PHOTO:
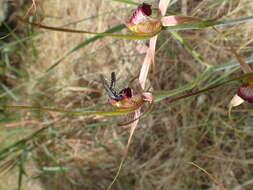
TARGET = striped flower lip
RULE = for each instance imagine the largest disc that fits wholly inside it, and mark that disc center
(141, 13)
(245, 91)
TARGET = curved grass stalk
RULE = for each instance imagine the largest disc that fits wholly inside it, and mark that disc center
(214, 179)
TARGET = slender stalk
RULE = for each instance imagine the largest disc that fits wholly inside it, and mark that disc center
(109, 113)
(165, 94)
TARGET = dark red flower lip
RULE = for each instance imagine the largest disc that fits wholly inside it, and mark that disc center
(245, 91)
(126, 93)
(112, 93)
(144, 10)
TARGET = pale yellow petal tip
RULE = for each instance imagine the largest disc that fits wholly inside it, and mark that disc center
(236, 101)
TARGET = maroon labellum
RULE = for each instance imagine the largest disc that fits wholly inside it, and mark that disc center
(141, 13)
(245, 91)
(126, 93)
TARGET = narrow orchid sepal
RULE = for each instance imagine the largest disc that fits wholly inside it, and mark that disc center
(236, 101)
(177, 20)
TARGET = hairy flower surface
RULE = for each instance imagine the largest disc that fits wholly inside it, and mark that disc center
(141, 13)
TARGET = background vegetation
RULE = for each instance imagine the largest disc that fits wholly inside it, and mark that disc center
(47, 150)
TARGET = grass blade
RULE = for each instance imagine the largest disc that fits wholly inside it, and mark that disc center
(127, 2)
(166, 94)
(9, 91)
(108, 113)
(21, 172)
(210, 87)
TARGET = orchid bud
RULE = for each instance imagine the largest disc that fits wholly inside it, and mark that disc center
(141, 21)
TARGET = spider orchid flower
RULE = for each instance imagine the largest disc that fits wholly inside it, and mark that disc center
(129, 100)
(143, 22)
(125, 99)
(245, 91)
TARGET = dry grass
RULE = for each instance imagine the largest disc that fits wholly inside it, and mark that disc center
(192, 130)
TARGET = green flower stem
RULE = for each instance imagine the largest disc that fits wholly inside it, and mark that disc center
(235, 21)
(135, 36)
(247, 75)
(109, 113)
